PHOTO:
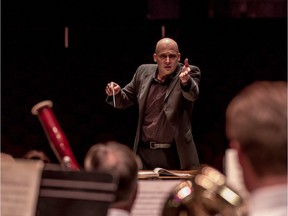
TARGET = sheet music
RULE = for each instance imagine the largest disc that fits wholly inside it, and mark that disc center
(151, 196)
(233, 171)
(20, 182)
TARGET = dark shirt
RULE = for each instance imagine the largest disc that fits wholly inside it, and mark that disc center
(155, 125)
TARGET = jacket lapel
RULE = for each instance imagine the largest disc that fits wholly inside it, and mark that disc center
(144, 91)
(171, 85)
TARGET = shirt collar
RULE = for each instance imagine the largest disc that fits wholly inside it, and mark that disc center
(169, 78)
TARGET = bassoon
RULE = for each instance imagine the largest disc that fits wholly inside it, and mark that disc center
(56, 137)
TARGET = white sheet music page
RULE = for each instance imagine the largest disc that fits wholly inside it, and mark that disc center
(152, 195)
(233, 171)
(20, 183)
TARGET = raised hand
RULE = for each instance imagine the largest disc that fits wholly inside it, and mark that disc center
(184, 76)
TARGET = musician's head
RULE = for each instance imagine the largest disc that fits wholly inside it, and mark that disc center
(36, 155)
(117, 159)
(256, 126)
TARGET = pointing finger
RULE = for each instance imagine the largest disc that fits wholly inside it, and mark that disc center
(186, 63)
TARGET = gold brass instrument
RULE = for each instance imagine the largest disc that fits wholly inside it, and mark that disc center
(55, 135)
(206, 194)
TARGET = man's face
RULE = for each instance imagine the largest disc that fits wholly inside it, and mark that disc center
(167, 58)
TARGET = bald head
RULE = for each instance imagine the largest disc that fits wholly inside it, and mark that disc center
(165, 43)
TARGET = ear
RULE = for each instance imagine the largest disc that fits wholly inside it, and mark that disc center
(179, 57)
(235, 144)
(154, 57)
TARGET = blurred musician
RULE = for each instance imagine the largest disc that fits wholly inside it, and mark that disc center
(117, 159)
(256, 126)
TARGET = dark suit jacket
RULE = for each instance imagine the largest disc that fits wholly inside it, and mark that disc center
(178, 106)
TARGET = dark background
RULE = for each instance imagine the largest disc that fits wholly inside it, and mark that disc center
(233, 43)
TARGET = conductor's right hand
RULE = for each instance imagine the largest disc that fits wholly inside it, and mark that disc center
(111, 88)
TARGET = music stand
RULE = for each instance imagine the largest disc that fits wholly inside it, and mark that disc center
(74, 193)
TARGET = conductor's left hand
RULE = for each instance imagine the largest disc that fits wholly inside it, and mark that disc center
(185, 73)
